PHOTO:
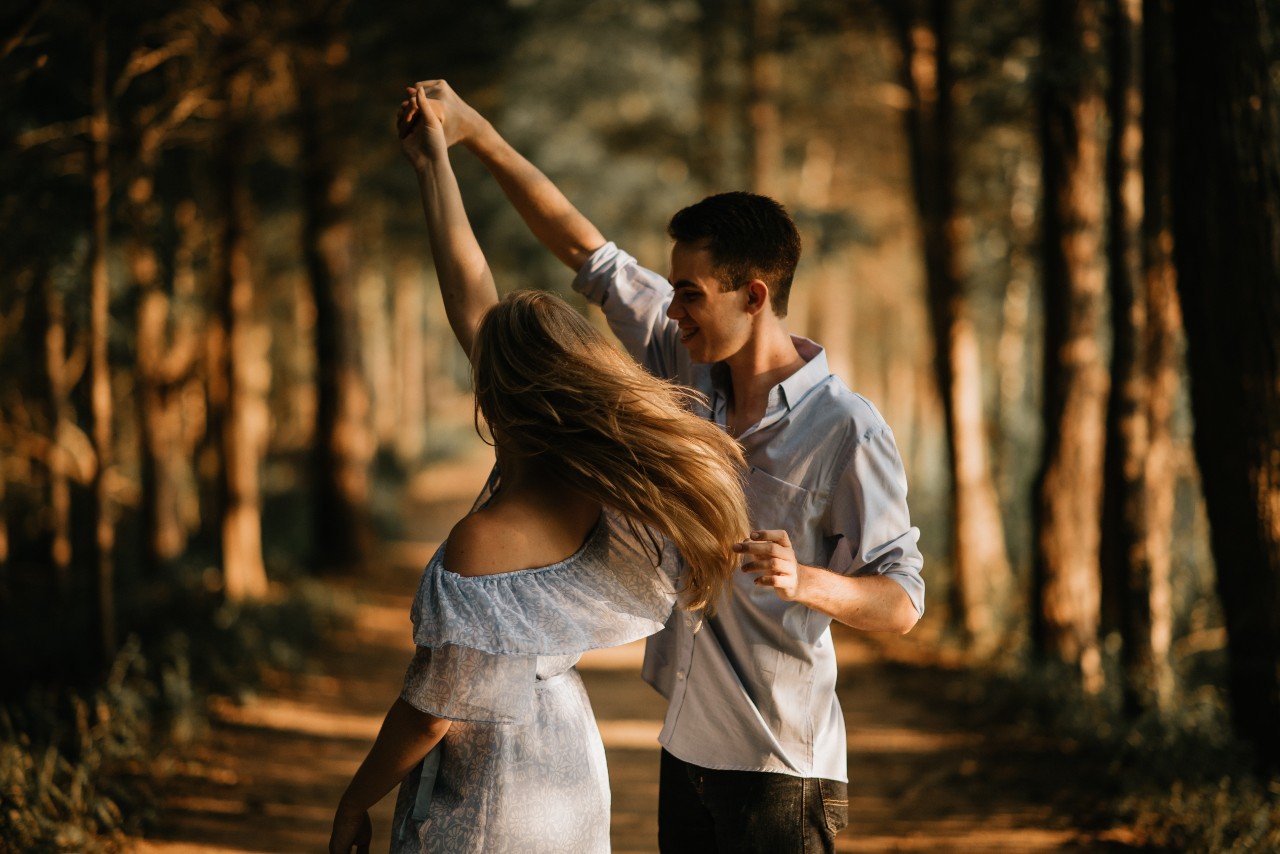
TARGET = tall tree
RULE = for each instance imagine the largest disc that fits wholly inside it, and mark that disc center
(982, 576)
(1226, 194)
(720, 159)
(57, 386)
(1069, 485)
(100, 369)
(1163, 364)
(162, 365)
(343, 438)
(763, 22)
(235, 428)
(1139, 592)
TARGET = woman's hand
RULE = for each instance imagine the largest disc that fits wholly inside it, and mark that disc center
(351, 829)
(420, 125)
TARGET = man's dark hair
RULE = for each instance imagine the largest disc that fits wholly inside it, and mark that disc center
(748, 236)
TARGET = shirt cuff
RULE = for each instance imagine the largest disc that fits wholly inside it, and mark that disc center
(595, 274)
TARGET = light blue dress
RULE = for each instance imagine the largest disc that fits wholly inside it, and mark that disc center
(522, 767)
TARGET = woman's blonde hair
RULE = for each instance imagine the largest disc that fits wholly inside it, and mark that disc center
(551, 388)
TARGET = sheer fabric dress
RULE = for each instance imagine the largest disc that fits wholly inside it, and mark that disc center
(522, 767)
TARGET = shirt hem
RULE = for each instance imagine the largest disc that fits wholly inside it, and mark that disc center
(719, 766)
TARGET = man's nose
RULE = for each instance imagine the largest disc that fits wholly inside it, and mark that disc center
(673, 311)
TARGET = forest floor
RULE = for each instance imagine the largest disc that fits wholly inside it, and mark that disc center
(921, 778)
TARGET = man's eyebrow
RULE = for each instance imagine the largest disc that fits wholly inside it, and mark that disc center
(685, 283)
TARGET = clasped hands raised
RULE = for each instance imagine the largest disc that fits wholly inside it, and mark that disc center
(431, 119)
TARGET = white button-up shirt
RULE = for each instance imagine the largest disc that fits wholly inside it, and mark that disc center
(753, 687)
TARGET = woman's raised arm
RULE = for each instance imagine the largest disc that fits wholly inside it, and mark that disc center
(466, 283)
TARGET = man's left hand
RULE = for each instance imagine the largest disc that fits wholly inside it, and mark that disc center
(773, 560)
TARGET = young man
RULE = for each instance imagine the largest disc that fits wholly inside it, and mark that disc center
(754, 742)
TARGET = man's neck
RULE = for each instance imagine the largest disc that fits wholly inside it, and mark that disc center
(768, 358)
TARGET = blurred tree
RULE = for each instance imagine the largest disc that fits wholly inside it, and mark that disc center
(1226, 195)
(1136, 586)
(719, 157)
(762, 20)
(1162, 359)
(100, 370)
(171, 66)
(982, 579)
(58, 381)
(343, 443)
(1069, 486)
(232, 411)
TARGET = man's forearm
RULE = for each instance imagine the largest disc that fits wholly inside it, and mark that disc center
(871, 603)
(560, 227)
(406, 736)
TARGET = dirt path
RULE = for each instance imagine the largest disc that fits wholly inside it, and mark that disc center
(268, 778)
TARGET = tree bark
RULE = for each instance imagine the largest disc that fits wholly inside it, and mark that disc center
(764, 69)
(721, 160)
(1134, 594)
(244, 575)
(56, 387)
(1069, 485)
(100, 370)
(344, 442)
(1161, 348)
(160, 369)
(1226, 195)
(982, 576)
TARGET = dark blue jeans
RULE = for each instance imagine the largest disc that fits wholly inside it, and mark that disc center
(706, 810)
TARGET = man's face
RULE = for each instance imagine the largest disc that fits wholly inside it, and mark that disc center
(714, 323)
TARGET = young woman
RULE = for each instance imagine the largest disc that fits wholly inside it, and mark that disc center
(492, 738)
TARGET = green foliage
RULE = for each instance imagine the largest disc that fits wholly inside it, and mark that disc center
(76, 766)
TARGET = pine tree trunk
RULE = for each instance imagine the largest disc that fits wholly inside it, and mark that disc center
(244, 575)
(1163, 341)
(764, 67)
(1069, 485)
(55, 369)
(343, 439)
(982, 576)
(100, 370)
(162, 537)
(1226, 202)
(1129, 582)
(721, 161)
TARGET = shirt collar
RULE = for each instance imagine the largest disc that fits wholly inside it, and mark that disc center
(786, 394)
(814, 371)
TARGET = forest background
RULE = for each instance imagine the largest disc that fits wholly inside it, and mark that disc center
(1042, 237)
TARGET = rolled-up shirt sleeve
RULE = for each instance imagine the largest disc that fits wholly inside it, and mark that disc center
(868, 512)
(634, 300)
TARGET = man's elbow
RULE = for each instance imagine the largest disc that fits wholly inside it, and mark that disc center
(907, 616)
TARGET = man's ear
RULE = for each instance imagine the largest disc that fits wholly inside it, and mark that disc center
(757, 296)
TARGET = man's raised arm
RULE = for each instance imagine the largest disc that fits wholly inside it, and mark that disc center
(466, 283)
(550, 216)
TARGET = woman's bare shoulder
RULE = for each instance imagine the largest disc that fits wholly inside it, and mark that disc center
(481, 544)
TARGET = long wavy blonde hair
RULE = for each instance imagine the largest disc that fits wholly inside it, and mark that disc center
(551, 388)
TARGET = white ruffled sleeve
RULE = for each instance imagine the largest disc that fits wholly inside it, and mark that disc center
(479, 637)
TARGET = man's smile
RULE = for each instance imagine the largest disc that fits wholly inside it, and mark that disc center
(687, 332)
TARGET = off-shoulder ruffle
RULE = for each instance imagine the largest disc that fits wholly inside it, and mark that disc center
(606, 594)
(479, 638)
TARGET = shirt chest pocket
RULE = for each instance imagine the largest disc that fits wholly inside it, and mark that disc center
(776, 504)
